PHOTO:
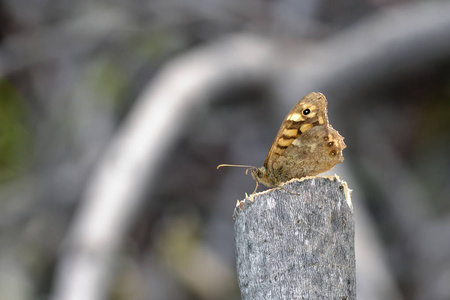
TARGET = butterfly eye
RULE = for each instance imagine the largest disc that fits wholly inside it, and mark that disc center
(306, 111)
(257, 173)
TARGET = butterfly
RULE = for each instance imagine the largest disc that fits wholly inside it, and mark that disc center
(306, 145)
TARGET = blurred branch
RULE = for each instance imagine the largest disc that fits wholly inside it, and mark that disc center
(131, 162)
(74, 37)
(385, 47)
(373, 271)
(405, 200)
(193, 262)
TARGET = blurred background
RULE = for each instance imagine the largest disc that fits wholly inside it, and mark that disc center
(115, 114)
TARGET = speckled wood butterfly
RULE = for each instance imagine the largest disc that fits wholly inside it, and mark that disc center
(305, 145)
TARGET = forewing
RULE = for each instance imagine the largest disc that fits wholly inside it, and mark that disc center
(297, 122)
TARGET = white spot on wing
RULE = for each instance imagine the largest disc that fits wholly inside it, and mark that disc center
(295, 117)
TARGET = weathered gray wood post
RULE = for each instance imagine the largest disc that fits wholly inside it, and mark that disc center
(297, 242)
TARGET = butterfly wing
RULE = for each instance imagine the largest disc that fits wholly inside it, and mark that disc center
(315, 151)
(310, 111)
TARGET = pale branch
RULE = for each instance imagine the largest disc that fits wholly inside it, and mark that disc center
(130, 163)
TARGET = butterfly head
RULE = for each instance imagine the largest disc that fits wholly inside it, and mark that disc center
(258, 173)
(261, 175)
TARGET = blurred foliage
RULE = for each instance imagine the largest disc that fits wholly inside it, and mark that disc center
(15, 135)
(67, 67)
(109, 80)
(431, 156)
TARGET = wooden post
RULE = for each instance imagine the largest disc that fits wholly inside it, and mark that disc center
(297, 242)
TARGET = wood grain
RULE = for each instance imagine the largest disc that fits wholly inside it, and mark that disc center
(297, 242)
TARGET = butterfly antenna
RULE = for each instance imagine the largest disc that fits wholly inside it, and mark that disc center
(236, 166)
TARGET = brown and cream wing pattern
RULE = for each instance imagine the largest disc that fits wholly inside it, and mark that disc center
(310, 111)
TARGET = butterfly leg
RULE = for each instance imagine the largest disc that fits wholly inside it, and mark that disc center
(287, 191)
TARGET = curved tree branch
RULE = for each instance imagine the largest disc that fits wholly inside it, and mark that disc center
(131, 162)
